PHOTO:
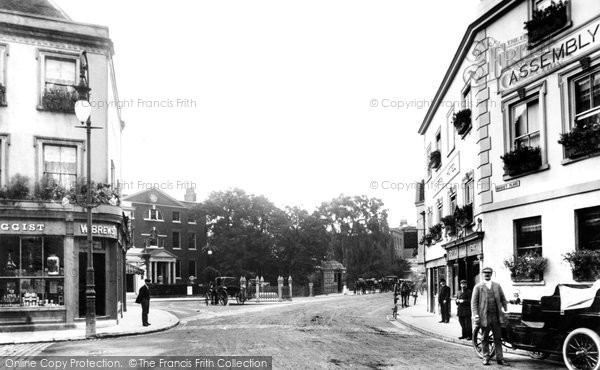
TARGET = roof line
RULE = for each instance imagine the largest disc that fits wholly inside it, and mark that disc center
(160, 191)
(467, 39)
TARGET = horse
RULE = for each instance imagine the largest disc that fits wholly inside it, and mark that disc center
(405, 293)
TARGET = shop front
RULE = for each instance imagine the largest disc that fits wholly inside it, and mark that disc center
(464, 257)
(43, 255)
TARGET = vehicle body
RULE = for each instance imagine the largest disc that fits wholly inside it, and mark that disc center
(567, 327)
(225, 288)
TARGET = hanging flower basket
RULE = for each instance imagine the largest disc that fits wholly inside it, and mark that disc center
(449, 223)
(435, 159)
(436, 231)
(583, 139)
(521, 160)
(546, 21)
(462, 121)
(464, 215)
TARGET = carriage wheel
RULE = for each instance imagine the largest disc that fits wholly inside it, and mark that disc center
(223, 298)
(580, 349)
(478, 345)
(537, 355)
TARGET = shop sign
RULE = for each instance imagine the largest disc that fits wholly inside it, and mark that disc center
(474, 248)
(508, 185)
(453, 254)
(569, 48)
(12, 227)
(99, 230)
(446, 175)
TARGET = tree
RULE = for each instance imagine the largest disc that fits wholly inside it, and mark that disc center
(360, 235)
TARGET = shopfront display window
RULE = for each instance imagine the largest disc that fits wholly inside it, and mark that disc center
(31, 271)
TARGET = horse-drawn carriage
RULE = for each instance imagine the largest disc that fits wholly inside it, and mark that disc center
(224, 288)
(566, 323)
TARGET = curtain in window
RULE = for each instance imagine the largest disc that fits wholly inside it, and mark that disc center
(60, 164)
(60, 72)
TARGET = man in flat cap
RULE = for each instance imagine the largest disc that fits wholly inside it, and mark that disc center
(463, 311)
(488, 305)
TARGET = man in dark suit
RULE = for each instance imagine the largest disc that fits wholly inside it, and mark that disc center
(444, 301)
(463, 310)
(144, 299)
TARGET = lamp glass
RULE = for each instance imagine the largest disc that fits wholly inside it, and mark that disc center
(209, 252)
(83, 109)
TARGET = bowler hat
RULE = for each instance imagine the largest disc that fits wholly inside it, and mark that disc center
(487, 269)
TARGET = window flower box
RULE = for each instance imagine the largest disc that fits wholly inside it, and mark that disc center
(426, 240)
(521, 160)
(585, 264)
(435, 159)
(528, 267)
(545, 21)
(59, 100)
(583, 139)
(462, 121)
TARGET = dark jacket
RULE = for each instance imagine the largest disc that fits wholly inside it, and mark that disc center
(444, 294)
(464, 308)
(143, 294)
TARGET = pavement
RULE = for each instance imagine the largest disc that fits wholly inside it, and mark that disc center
(417, 318)
(129, 324)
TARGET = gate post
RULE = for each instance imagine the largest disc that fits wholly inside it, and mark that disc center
(280, 287)
(310, 289)
(258, 289)
(290, 284)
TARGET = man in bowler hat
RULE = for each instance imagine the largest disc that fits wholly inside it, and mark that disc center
(444, 301)
(144, 299)
(463, 311)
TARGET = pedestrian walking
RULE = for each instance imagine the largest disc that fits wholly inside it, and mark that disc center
(415, 294)
(143, 298)
(444, 301)
(463, 311)
(488, 305)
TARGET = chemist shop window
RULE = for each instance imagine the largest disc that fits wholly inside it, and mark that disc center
(31, 271)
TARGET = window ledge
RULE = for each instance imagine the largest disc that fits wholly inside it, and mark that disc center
(462, 136)
(543, 167)
(530, 283)
(176, 222)
(568, 161)
(149, 219)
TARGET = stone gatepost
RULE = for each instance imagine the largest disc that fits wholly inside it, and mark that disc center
(310, 289)
(290, 284)
(258, 289)
(280, 288)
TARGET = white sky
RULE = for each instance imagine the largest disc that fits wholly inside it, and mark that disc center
(282, 90)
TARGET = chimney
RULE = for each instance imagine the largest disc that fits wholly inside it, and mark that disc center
(190, 194)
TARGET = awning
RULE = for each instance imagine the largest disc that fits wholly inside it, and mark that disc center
(132, 269)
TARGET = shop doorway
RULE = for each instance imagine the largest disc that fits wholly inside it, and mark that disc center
(99, 281)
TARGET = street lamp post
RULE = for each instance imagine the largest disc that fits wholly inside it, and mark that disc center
(83, 111)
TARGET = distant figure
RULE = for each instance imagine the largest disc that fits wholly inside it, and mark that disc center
(463, 310)
(444, 301)
(405, 293)
(415, 294)
(488, 305)
(143, 298)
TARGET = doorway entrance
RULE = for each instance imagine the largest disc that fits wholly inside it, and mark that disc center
(99, 281)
